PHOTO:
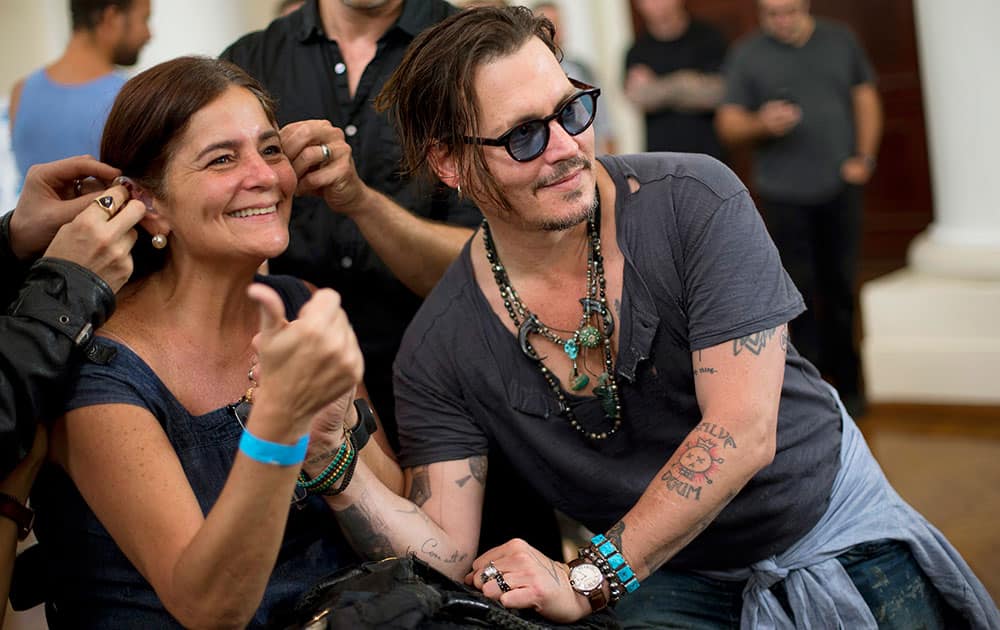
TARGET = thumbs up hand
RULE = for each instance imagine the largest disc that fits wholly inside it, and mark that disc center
(303, 365)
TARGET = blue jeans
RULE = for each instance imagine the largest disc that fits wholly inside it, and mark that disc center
(884, 571)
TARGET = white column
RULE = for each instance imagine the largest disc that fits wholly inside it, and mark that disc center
(958, 53)
(930, 332)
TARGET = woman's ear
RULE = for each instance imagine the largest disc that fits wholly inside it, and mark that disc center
(154, 223)
(443, 164)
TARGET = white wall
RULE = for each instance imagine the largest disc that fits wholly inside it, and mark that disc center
(34, 32)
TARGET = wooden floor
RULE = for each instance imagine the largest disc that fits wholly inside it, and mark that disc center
(945, 461)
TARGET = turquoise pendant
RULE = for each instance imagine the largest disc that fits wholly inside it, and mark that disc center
(571, 349)
(589, 336)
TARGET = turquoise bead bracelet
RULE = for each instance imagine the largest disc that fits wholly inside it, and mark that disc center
(617, 561)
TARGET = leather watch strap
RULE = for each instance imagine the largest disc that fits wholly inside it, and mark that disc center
(18, 512)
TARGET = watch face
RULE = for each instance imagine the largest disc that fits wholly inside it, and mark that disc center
(585, 577)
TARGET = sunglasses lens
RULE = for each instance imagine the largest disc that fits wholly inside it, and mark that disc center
(577, 114)
(528, 141)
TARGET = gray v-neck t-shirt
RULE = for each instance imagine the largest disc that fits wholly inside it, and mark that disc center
(700, 270)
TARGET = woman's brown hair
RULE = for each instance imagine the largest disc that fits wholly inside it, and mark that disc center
(149, 117)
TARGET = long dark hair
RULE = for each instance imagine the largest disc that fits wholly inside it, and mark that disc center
(431, 98)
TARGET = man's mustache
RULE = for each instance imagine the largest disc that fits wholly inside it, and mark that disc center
(563, 169)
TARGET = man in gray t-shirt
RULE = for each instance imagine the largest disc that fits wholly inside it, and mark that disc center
(616, 328)
(802, 92)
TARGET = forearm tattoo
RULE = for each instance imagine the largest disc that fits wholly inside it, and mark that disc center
(364, 528)
(698, 461)
(430, 549)
(756, 342)
(420, 487)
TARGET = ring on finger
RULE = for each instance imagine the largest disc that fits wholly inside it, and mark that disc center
(502, 583)
(326, 153)
(107, 203)
(490, 572)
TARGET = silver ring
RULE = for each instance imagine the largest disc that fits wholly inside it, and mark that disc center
(326, 153)
(502, 583)
(490, 572)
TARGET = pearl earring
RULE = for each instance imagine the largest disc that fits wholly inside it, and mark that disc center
(159, 241)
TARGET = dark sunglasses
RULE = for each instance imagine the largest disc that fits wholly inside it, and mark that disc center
(528, 140)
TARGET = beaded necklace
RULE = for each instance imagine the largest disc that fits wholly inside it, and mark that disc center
(587, 335)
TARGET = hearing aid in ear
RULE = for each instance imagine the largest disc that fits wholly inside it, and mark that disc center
(136, 191)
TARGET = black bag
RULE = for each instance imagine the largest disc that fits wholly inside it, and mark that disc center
(407, 594)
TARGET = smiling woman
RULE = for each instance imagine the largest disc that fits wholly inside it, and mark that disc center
(192, 458)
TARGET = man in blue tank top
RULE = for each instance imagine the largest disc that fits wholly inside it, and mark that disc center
(58, 111)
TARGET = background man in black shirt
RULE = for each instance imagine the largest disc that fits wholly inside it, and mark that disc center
(673, 77)
(385, 243)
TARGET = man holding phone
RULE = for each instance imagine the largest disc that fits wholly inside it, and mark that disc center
(802, 92)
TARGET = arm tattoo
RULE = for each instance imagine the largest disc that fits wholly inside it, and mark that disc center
(328, 455)
(755, 342)
(478, 466)
(420, 488)
(784, 337)
(429, 548)
(702, 369)
(698, 461)
(363, 529)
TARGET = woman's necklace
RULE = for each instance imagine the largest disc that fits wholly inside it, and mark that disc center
(586, 336)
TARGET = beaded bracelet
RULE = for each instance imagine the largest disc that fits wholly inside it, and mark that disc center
(337, 474)
(308, 483)
(342, 461)
(617, 561)
(615, 589)
(347, 475)
(273, 453)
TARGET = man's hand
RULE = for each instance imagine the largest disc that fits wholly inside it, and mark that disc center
(779, 117)
(329, 173)
(50, 199)
(100, 239)
(534, 581)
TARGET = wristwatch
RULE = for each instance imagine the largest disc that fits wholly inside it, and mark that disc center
(18, 512)
(586, 579)
(366, 423)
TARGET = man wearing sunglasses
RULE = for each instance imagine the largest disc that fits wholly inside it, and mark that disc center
(618, 329)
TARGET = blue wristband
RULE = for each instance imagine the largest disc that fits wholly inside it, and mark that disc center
(272, 452)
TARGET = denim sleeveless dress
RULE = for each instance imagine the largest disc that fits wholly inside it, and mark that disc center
(90, 582)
